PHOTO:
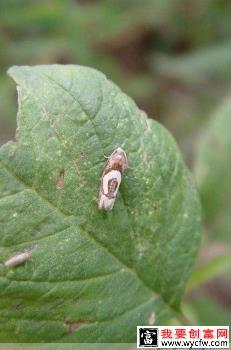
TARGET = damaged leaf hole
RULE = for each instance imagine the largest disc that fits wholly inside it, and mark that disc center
(60, 180)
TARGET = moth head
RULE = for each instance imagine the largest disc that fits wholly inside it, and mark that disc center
(120, 156)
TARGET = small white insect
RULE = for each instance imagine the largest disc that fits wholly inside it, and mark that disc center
(110, 181)
(18, 259)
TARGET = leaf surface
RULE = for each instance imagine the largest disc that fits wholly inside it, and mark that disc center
(93, 276)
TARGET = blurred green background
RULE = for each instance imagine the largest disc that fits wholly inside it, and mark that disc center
(173, 57)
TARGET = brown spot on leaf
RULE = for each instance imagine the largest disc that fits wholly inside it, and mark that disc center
(73, 326)
(60, 180)
(17, 307)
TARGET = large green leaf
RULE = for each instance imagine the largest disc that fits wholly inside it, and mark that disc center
(93, 276)
(212, 169)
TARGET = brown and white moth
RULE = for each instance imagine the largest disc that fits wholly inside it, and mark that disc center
(110, 181)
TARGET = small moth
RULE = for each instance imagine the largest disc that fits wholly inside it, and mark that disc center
(18, 259)
(110, 181)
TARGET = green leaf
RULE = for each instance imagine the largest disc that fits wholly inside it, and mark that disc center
(219, 265)
(212, 170)
(93, 276)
